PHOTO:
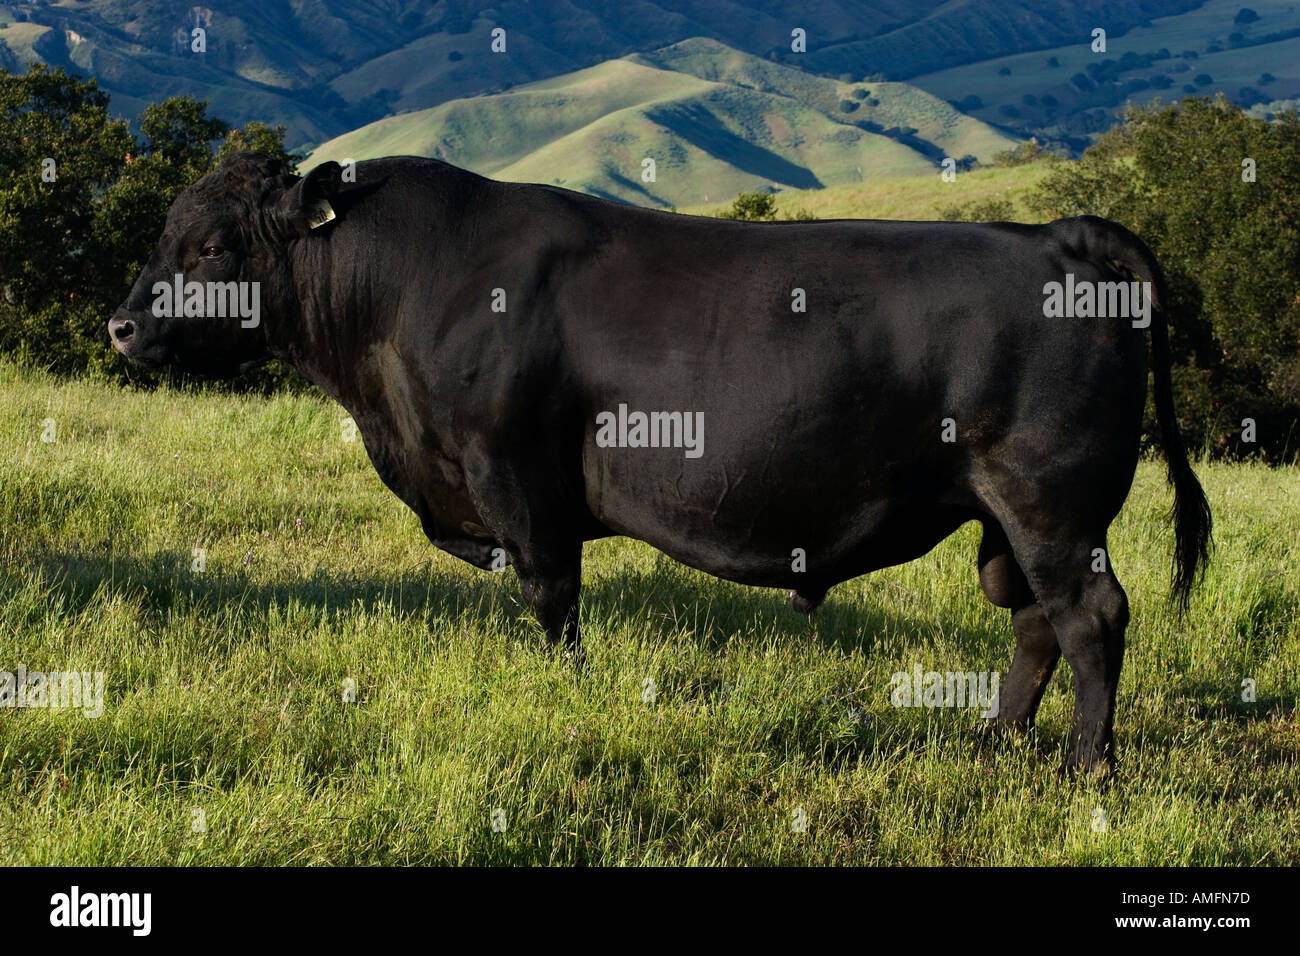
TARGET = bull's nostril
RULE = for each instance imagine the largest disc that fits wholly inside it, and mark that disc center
(123, 330)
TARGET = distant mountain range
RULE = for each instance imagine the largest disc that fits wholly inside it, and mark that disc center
(632, 78)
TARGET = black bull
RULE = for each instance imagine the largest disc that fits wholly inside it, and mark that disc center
(856, 390)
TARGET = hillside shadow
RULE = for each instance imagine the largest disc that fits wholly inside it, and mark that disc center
(631, 186)
(703, 130)
(923, 146)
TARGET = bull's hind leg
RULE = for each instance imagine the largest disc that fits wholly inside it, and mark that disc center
(1037, 650)
(1087, 608)
(1090, 617)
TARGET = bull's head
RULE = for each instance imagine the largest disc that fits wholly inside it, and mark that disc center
(219, 278)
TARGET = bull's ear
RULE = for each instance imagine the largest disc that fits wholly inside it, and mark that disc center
(310, 204)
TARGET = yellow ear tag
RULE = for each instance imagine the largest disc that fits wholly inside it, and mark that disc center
(321, 213)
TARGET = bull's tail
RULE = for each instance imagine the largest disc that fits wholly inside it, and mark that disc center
(1191, 511)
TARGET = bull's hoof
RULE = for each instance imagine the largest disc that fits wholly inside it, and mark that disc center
(1093, 771)
(995, 733)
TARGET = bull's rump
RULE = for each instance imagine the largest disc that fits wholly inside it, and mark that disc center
(824, 429)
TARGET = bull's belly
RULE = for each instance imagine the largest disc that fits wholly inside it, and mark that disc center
(770, 539)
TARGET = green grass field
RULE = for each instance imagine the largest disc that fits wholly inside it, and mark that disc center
(224, 690)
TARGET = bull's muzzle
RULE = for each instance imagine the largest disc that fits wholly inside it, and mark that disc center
(121, 330)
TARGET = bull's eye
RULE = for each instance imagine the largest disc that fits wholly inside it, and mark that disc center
(212, 252)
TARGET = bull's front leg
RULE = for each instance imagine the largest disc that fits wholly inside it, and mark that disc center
(535, 523)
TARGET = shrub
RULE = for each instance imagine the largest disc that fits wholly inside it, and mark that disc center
(989, 210)
(752, 207)
(1027, 152)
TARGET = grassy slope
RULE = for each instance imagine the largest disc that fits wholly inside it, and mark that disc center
(911, 197)
(20, 37)
(423, 71)
(490, 132)
(887, 105)
(224, 688)
(717, 122)
(740, 154)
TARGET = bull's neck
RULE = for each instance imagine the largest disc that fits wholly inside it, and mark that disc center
(347, 287)
(332, 317)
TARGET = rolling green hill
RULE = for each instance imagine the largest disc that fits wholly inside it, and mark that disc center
(322, 67)
(940, 130)
(715, 120)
